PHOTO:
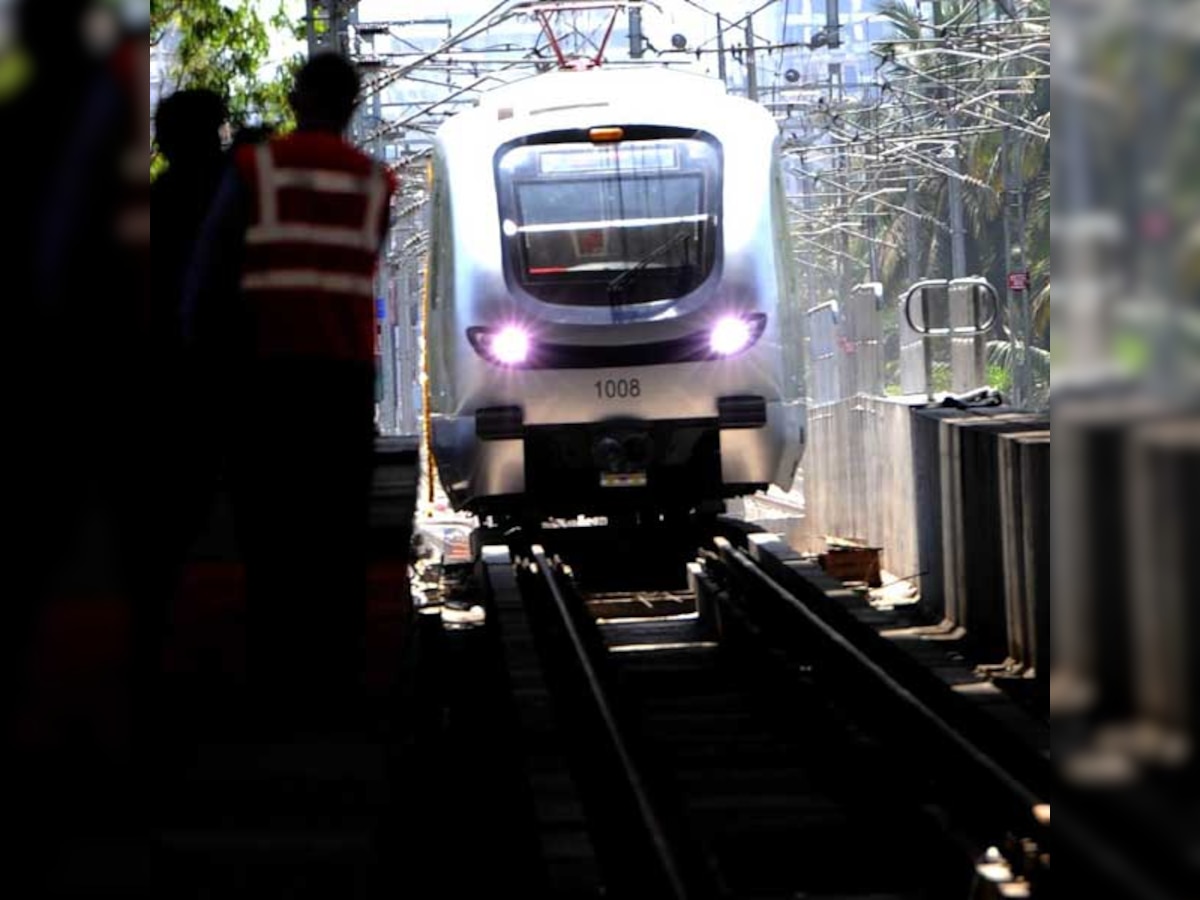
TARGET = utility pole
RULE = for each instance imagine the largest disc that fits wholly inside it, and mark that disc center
(810, 208)
(914, 371)
(721, 49)
(845, 277)
(958, 234)
(873, 150)
(390, 399)
(958, 231)
(913, 232)
(837, 96)
(833, 24)
(1018, 286)
(637, 40)
(914, 350)
(751, 62)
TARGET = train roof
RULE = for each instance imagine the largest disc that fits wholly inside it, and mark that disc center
(553, 89)
(575, 98)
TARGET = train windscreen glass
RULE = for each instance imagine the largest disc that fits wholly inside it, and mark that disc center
(624, 223)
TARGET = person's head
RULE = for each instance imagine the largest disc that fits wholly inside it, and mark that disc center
(325, 94)
(188, 124)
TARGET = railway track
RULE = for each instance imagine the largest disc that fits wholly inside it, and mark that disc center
(691, 716)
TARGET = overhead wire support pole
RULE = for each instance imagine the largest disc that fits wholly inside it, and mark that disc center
(751, 62)
(721, 67)
(1018, 294)
(637, 40)
(958, 246)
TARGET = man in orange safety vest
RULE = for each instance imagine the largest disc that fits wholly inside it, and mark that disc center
(281, 305)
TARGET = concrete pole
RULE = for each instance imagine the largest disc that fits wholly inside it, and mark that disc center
(958, 232)
(388, 401)
(912, 231)
(1018, 301)
(751, 62)
(388, 276)
(637, 42)
(721, 49)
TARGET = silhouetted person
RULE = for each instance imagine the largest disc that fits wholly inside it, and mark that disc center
(188, 130)
(188, 442)
(283, 296)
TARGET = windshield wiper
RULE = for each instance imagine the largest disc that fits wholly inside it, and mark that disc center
(630, 275)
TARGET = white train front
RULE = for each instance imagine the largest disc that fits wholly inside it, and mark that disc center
(612, 319)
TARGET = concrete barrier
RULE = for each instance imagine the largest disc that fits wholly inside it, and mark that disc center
(859, 481)
(1024, 530)
(972, 551)
(957, 499)
(1099, 484)
(1163, 469)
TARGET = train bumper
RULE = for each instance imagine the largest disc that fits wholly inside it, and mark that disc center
(494, 461)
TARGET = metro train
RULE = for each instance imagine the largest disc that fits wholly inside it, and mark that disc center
(612, 319)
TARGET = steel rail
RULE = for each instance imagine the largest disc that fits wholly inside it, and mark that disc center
(663, 852)
(1022, 793)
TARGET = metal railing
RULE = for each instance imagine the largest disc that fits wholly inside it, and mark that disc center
(966, 328)
(946, 319)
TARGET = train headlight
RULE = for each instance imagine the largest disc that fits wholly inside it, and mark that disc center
(731, 334)
(509, 345)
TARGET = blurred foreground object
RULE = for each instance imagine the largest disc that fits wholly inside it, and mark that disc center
(1126, 223)
(1125, 686)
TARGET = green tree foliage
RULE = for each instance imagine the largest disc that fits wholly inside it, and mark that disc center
(983, 181)
(224, 48)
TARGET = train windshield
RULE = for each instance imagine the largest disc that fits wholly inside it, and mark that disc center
(595, 224)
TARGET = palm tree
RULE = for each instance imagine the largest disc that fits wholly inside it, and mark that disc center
(982, 151)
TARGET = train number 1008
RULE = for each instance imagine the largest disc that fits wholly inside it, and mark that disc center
(618, 388)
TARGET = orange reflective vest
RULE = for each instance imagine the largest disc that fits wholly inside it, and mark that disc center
(319, 216)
